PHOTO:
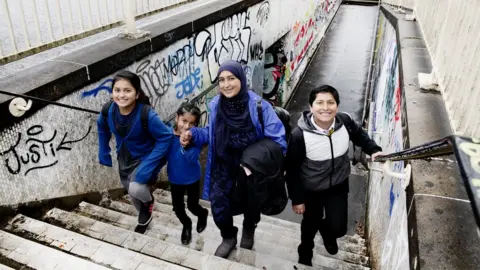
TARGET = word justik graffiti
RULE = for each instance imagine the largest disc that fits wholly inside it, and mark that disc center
(33, 153)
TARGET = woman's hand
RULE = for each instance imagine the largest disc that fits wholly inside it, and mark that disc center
(299, 209)
(377, 154)
(185, 138)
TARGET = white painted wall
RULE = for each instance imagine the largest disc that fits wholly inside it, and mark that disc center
(450, 29)
(36, 165)
(387, 214)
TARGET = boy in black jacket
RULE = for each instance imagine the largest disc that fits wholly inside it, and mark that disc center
(318, 167)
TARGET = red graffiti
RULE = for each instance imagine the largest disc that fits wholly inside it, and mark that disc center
(327, 5)
(302, 53)
(303, 31)
(301, 35)
(398, 101)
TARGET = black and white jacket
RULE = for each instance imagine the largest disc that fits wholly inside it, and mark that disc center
(317, 161)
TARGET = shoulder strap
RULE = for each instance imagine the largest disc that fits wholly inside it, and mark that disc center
(105, 109)
(347, 121)
(260, 114)
(144, 116)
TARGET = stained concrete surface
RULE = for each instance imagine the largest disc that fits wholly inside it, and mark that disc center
(342, 60)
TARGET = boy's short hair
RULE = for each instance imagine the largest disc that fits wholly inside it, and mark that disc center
(323, 89)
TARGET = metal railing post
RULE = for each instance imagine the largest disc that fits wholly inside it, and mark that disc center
(131, 31)
(130, 10)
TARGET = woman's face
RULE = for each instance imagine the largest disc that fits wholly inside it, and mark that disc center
(229, 84)
(124, 94)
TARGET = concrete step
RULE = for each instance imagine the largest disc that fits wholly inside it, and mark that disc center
(4, 267)
(164, 228)
(357, 243)
(96, 251)
(266, 240)
(140, 243)
(269, 234)
(22, 253)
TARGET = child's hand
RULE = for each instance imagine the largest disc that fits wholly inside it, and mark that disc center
(376, 155)
(185, 138)
(299, 209)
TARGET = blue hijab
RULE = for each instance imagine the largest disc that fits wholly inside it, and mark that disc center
(233, 113)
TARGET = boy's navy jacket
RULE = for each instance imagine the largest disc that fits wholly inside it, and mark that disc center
(149, 147)
(273, 129)
(183, 166)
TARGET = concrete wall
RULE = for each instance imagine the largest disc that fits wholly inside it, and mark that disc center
(442, 230)
(386, 211)
(403, 3)
(450, 29)
(53, 153)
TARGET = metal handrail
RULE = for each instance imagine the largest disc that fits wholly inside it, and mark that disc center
(467, 153)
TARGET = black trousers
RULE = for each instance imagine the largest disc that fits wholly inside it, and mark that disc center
(242, 200)
(334, 203)
(193, 197)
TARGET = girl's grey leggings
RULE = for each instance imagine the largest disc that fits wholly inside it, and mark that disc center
(139, 193)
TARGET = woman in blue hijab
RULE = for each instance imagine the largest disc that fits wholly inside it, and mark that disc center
(233, 125)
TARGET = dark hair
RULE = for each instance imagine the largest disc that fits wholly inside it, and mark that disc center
(135, 82)
(323, 89)
(188, 107)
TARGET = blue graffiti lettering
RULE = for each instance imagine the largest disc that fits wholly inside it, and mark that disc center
(392, 200)
(103, 86)
(188, 85)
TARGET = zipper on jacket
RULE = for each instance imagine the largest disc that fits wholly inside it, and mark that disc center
(333, 166)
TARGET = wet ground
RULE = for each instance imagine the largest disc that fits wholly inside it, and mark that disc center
(342, 61)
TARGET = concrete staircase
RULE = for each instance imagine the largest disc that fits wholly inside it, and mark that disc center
(96, 237)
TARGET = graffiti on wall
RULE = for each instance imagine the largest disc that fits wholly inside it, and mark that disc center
(193, 65)
(183, 70)
(302, 42)
(263, 13)
(388, 199)
(304, 32)
(35, 150)
(275, 66)
(104, 86)
(229, 39)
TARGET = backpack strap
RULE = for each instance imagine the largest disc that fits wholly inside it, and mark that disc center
(144, 116)
(260, 114)
(105, 109)
(348, 123)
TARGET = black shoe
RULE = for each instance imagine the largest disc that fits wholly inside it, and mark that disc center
(202, 222)
(305, 257)
(305, 261)
(186, 235)
(331, 245)
(227, 245)
(248, 236)
(141, 228)
(145, 215)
